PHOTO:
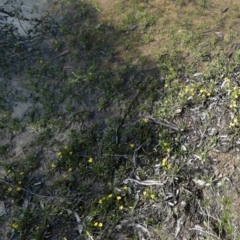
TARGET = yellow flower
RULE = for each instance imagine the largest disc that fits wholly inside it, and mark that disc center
(9, 171)
(119, 198)
(18, 189)
(53, 165)
(121, 207)
(100, 201)
(21, 173)
(98, 224)
(15, 225)
(70, 153)
(144, 193)
(168, 150)
(110, 195)
(235, 121)
(166, 163)
(59, 154)
(152, 196)
(65, 238)
(165, 144)
(70, 169)
(19, 182)
(233, 104)
(41, 61)
(145, 120)
(9, 189)
(131, 145)
(125, 188)
(169, 165)
(90, 160)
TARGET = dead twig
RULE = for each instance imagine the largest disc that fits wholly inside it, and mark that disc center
(144, 183)
(35, 194)
(165, 123)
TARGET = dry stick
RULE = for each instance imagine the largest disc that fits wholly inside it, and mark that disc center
(35, 194)
(169, 125)
(22, 26)
(202, 231)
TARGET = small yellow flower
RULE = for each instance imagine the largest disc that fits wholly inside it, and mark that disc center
(125, 188)
(100, 201)
(9, 171)
(100, 224)
(121, 207)
(144, 193)
(110, 195)
(90, 160)
(9, 189)
(21, 173)
(169, 165)
(65, 238)
(152, 196)
(165, 144)
(15, 225)
(19, 182)
(166, 163)
(70, 153)
(235, 121)
(119, 198)
(70, 169)
(41, 61)
(168, 150)
(18, 189)
(59, 154)
(145, 120)
(131, 145)
(233, 104)
(53, 165)
(95, 224)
